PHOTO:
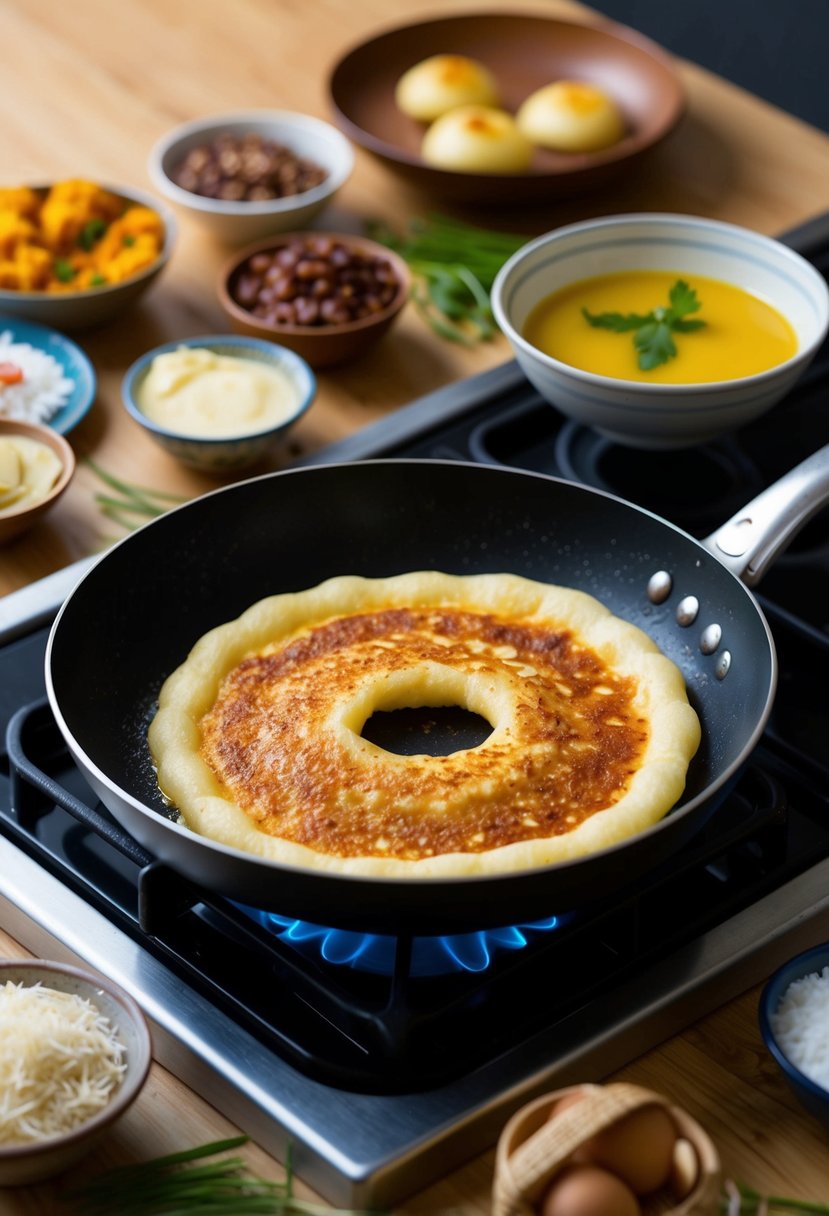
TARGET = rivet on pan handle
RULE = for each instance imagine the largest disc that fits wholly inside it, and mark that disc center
(751, 540)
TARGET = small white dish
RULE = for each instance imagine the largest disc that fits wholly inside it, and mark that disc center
(237, 222)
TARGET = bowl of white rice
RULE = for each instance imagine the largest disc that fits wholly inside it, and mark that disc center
(794, 1023)
(45, 377)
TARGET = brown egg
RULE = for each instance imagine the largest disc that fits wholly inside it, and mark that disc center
(684, 1168)
(588, 1190)
(563, 1103)
(639, 1148)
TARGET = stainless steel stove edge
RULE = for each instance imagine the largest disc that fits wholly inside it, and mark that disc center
(367, 1149)
(35, 605)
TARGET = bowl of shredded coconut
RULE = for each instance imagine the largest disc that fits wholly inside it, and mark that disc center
(44, 377)
(794, 1023)
(74, 1053)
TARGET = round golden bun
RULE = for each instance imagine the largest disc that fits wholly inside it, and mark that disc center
(477, 139)
(443, 82)
(571, 116)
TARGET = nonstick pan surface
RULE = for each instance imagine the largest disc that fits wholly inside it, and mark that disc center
(134, 617)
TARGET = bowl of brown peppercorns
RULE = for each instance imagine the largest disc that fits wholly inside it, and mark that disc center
(326, 296)
(247, 174)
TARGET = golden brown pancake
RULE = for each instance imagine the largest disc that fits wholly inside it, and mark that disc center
(258, 735)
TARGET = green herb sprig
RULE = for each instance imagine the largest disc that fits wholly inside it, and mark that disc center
(454, 265)
(174, 1186)
(91, 233)
(64, 270)
(737, 1199)
(131, 505)
(653, 332)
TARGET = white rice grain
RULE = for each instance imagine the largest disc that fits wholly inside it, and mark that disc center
(43, 389)
(801, 1025)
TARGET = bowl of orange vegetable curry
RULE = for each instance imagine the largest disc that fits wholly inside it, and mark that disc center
(75, 253)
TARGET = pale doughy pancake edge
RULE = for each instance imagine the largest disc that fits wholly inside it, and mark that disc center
(661, 698)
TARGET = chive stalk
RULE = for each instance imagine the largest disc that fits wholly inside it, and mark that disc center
(175, 1186)
(454, 265)
(129, 504)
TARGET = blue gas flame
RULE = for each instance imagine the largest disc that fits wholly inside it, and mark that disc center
(374, 952)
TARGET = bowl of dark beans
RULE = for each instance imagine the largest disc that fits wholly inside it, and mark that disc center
(247, 174)
(327, 296)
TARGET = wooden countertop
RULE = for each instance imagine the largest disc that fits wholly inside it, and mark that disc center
(86, 91)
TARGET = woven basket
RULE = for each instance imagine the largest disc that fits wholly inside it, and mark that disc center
(533, 1148)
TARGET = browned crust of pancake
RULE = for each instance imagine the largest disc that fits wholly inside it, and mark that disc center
(572, 750)
(258, 735)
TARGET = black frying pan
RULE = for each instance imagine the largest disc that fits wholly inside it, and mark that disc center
(133, 618)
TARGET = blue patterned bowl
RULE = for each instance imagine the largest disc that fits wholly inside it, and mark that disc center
(237, 452)
(812, 1095)
(73, 362)
(660, 416)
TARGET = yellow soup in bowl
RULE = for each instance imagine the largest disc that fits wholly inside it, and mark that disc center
(661, 327)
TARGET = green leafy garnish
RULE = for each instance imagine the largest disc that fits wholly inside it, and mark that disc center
(127, 239)
(91, 232)
(737, 1199)
(97, 280)
(653, 333)
(172, 1186)
(454, 265)
(64, 271)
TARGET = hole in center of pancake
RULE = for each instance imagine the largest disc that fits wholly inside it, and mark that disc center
(431, 730)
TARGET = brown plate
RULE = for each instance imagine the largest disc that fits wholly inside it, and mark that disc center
(524, 52)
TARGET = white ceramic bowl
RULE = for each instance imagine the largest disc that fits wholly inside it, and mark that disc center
(237, 222)
(658, 416)
(21, 1164)
(73, 310)
(233, 453)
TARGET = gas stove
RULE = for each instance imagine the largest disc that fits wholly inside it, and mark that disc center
(386, 1062)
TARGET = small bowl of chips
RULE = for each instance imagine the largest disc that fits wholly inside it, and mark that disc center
(36, 467)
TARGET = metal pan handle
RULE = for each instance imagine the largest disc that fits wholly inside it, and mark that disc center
(751, 540)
